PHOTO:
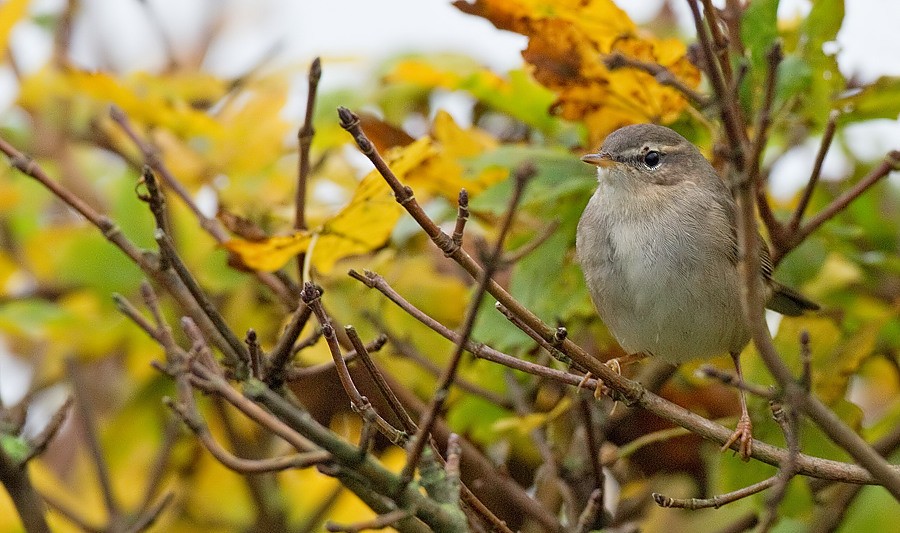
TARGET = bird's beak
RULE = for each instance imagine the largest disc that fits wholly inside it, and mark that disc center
(600, 159)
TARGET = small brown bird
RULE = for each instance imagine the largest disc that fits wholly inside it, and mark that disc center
(658, 246)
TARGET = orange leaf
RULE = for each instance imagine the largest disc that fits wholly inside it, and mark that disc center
(567, 42)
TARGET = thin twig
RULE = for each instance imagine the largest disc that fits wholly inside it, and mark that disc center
(234, 350)
(304, 141)
(418, 442)
(151, 513)
(311, 297)
(383, 387)
(661, 74)
(192, 418)
(298, 372)
(890, 163)
(281, 354)
(732, 381)
(803, 203)
(39, 443)
(731, 116)
(212, 226)
(408, 351)
(588, 519)
(462, 216)
(88, 425)
(255, 353)
(715, 501)
(787, 421)
(761, 137)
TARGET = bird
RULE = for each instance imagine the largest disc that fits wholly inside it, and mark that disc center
(657, 244)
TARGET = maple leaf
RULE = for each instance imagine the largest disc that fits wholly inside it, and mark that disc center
(567, 42)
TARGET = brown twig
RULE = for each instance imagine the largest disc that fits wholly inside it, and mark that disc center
(304, 141)
(151, 513)
(408, 351)
(88, 425)
(890, 163)
(482, 351)
(462, 216)
(278, 359)
(39, 443)
(418, 442)
(731, 116)
(212, 226)
(761, 137)
(383, 387)
(661, 74)
(731, 380)
(803, 203)
(311, 297)
(187, 411)
(789, 424)
(379, 522)
(255, 353)
(297, 372)
(233, 349)
(715, 501)
(588, 518)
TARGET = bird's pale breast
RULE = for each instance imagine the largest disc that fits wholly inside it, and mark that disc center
(660, 287)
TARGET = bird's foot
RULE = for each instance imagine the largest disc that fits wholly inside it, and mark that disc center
(743, 434)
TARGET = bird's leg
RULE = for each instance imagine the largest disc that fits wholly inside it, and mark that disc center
(743, 433)
(615, 365)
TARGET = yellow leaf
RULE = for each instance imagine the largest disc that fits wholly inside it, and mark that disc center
(269, 254)
(11, 12)
(527, 423)
(567, 42)
(428, 165)
(139, 97)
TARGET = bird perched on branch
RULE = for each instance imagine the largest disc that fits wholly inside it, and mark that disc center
(658, 246)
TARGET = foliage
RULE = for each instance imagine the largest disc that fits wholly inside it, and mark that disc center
(227, 139)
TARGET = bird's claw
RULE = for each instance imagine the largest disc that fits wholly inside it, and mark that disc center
(743, 434)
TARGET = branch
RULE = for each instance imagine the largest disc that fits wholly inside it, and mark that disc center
(360, 404)
(731, 115)
(27, 501)
(304, 141)
(827, 137)
(522, 175)
(752, 302)
(890, 163)
(661, 74)
(88, 425)
(212, 226)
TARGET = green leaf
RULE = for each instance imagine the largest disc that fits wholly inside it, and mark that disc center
(759, 31)
(559, 174)
(878, 100)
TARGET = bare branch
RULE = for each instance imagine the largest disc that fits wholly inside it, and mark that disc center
(304, 141)
(360, 404)
(418, 442)
(827, 137)
(661, 74)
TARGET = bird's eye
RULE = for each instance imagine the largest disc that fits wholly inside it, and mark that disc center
(652, 159)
